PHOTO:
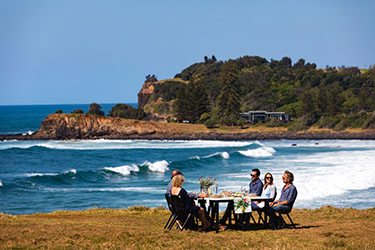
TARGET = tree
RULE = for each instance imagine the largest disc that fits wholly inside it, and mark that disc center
(151, 78)
(321, 101)
(334, 99)
(192, 101)
(77, 111)
(126, 111)
(95, 109)
(228, 101)
(307, 103)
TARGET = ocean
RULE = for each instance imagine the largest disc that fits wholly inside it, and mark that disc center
(44, 176)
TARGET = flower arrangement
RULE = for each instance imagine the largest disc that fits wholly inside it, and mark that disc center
(206, 181)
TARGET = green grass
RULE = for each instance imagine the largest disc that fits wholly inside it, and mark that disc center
(142, 228)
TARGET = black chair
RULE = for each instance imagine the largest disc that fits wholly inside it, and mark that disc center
(168, 197)
(283, 222)
(179, 208)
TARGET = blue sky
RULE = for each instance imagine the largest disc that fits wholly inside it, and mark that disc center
(75, 51)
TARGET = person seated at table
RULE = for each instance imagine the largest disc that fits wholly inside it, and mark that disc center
(268, 191)
(177, 189)
(287, 198)
(192, 195)
(255, 187)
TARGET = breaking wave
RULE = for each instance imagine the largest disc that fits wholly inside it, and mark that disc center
(258, 152)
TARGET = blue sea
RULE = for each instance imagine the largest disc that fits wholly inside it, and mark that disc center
(44, 176)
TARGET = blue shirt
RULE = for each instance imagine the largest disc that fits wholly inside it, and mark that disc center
(289, 195)
(256, 187)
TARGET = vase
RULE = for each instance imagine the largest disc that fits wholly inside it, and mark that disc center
(205, 189)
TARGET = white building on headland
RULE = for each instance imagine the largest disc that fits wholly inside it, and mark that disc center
(255, 116)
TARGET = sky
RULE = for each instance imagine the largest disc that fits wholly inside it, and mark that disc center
(78, 51)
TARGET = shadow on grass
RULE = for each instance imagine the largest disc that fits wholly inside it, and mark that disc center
(253, 227)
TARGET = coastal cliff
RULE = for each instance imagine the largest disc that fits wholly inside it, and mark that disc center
(80, 126)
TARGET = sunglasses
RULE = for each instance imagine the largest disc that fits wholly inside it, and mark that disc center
(253, 175)
(268, 177)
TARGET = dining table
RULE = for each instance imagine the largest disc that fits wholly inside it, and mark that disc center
(213, 208)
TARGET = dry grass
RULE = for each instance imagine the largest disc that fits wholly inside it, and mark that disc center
(142, 228)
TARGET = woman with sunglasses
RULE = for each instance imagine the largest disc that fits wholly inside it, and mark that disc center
(269, 190)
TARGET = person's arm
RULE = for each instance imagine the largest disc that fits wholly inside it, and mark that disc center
(193, 195)
(272, 203)
(291, 195)
(259, 188)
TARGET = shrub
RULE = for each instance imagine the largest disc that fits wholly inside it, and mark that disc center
(59, 111)
(210, 123)
(95, 109)
(77, 111)
(126, 111)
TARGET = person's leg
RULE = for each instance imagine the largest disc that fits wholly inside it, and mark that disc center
(202, 216)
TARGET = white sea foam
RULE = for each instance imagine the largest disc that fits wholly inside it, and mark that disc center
(224, 155)
(120, 144)
(73, 171)
(158, 166)
(258, 152)
(1, 184)
(109, 189)
(40, 174)
(124, 170)
(28, 133)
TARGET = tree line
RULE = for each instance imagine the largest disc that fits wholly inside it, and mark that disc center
(218, 91)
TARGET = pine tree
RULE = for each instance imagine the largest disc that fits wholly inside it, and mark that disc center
(228, 101)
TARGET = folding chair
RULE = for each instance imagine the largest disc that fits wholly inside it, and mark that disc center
(179, 208)
(173, 214)
(283, 222)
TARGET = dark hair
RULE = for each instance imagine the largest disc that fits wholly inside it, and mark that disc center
(256, 170)
(265, 182)
(289, 175)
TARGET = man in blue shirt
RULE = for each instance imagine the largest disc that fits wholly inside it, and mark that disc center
(287, 198)
(255, 187)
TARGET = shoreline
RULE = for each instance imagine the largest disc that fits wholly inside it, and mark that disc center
(246, 136)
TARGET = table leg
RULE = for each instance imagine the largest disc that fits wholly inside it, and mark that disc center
(217, 216)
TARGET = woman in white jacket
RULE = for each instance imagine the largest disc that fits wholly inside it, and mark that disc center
(269, 189)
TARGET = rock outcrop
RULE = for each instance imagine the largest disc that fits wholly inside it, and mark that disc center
(73, 126)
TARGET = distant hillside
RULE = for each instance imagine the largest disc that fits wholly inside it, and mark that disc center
(215, 90)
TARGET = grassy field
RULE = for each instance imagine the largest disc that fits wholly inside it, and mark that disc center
(142, 228)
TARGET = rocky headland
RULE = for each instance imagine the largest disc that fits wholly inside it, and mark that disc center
(80, 126)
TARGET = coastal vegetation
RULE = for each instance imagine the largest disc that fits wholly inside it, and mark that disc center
(126, 111)
(216, 92)
(142, 228)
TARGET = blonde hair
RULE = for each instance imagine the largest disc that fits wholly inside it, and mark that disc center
(178, 180)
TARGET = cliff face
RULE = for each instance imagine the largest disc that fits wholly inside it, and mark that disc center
(145, 93)
(72, 126)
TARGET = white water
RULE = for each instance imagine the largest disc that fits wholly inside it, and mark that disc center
(119, 144)
(258, 152)
(158, 166)
(124, 170)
